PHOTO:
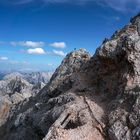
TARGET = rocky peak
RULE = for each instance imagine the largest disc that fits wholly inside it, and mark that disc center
(71, 64)
(124, 46)
(135, 18)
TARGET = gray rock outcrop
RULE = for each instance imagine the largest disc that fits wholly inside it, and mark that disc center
(17, 87)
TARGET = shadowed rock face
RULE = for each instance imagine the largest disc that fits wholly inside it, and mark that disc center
(87, 98)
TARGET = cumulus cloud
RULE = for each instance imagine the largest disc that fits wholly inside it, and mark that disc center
(59, 53)
(3, 58)
(36, 51)
(28, 44)
(58, 45)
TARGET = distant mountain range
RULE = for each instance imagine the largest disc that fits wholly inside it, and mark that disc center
(17, 86)
(28, 73)
(31, 77)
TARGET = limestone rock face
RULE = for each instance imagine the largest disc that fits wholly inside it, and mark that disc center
(17, 87)
(87, 98)
(64, 75)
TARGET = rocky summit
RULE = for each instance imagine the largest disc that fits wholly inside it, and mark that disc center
(88, 97)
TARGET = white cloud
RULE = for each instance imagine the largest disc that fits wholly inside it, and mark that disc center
(36, 51)
(58, 45)
(28, 44)
(3, 58)
(59, 53)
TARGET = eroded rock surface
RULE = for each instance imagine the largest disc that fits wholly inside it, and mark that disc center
(17, 87)
(87, 98)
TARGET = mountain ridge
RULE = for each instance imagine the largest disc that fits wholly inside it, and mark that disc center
(88, 97)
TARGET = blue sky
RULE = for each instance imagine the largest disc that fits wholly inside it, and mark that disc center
(37, 34)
